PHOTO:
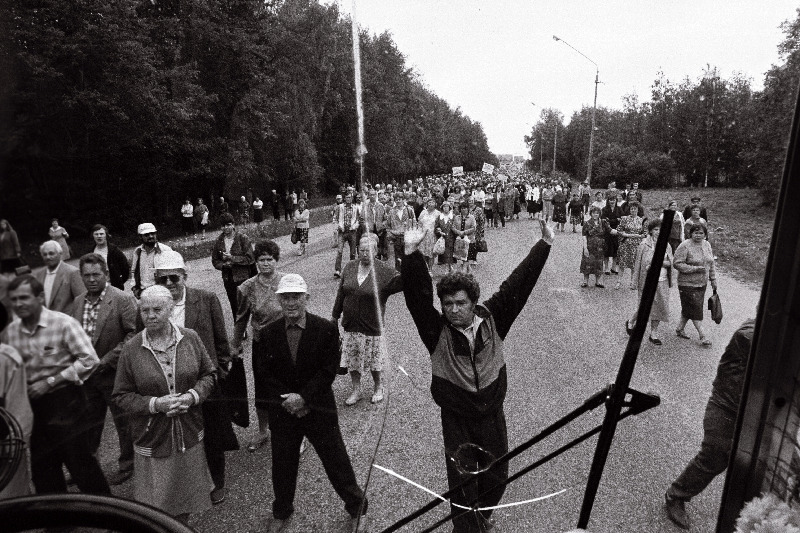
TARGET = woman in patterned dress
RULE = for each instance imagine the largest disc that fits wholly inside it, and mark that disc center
(630, 233)
(60, 235)
(480, 225)
(594, 247)
(301, 217)
(443, 226)
(427, 223)
(559, 208)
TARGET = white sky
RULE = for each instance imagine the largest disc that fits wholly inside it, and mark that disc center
(493, 58)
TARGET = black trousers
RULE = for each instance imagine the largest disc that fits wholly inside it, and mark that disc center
(98, 389)
(488, 432)
(230, 291)
(322, 431)
(59, 438)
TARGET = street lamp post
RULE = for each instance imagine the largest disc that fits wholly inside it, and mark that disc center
(594, 107)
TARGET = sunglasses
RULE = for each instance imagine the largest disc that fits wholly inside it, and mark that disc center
(174, 278)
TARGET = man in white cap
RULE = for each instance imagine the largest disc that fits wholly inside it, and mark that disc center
(142, 263)
(201, 311)
(293, 374)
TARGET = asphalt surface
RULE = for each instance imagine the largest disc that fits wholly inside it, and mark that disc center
(565, 346)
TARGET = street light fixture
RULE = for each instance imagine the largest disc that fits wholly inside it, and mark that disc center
(594, 107)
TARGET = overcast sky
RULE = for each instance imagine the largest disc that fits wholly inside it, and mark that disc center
(493, 58)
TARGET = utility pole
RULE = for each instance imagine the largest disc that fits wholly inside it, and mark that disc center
(555, 145)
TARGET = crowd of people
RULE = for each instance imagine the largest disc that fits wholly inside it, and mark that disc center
(156, 355)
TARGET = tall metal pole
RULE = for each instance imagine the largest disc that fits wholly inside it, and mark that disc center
(594, 107)
(555, 145)
(591, 134)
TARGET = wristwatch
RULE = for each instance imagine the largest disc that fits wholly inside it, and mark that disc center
(51, 381)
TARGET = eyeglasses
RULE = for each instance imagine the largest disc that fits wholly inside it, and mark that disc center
(173, 278)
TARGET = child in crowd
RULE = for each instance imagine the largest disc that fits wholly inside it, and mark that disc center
(575, 212)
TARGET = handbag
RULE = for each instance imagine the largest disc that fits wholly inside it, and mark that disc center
(438, 247)
(294, 236)
(234, 389)
(481, 246)
(460, 249)
(715, 306)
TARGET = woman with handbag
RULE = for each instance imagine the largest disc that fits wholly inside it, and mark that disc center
(443, 226)
(694, 261)
(301, 216)
(463, 231)
(258, 305)
(479, 242)
(233, 255)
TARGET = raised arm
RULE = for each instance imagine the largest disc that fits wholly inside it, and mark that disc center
(509, 300)
(418, 291)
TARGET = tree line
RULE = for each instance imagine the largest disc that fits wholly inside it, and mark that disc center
(117, 110)
(704, 131)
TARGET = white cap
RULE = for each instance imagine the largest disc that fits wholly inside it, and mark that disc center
(169, 260)
(147, 227)
(291, 283)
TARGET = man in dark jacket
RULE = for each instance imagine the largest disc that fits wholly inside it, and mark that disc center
(719, 423)
(469, 371)
(293, 377)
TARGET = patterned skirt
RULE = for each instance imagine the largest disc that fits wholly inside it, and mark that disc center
(363, 352)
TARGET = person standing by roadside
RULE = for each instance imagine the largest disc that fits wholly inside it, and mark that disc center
(108, 316)
(399, 220)
(201, 311)
(201, 216)
(375, 221)
(187, 218)
(347, 219)
(258, 211)
(60, 235)
(611, 213)
(232, 254)
(358, 306)
(119, 270)
(719, 423)
(10, 250)
(585, 193)
(275, 203)
(142, 266)
(58, 357)
(61, 281)
(676, 231)
(644, 256)
(547, 202)
(301, 225)
(294, 373)
(288, 206)
(687, 210)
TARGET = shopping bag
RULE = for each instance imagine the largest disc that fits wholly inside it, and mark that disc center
(460, 249)
(294, 236)
(234, 389)
(481, 246)
(715, 306)
(438, 247)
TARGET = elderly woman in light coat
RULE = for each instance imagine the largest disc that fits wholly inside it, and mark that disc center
(659, 312)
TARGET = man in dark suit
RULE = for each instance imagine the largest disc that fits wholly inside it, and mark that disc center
(62, 282)
(108, 316)
(293, 376)
(375, 221)
(201, 311)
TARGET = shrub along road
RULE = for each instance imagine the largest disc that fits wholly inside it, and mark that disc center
(565, 345)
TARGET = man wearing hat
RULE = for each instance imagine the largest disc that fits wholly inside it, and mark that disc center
(142, 265)
(201, 311)
(293, 373)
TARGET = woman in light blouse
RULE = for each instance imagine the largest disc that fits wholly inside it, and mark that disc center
(164, 374)
(301, 216)
(694, 261)
(258, 305)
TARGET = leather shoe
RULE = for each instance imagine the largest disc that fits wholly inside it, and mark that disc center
(676, 511)
(278, 526)
(119, 477)
(217, 496)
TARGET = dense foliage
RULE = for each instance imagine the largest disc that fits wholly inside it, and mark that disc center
(117, 110)
(702, 131)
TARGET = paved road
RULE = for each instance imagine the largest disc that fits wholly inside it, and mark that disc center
(565, 346)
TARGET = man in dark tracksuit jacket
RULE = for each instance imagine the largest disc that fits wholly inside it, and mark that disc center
(469, 371)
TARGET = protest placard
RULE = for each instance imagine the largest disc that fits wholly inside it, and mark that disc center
(458, 171)
(487, 168)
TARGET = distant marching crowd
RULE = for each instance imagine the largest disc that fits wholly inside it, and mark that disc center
(159, 355)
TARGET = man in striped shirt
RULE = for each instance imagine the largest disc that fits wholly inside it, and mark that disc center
(58, 357)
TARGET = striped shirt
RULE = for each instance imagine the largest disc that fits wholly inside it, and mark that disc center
(57, 345)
